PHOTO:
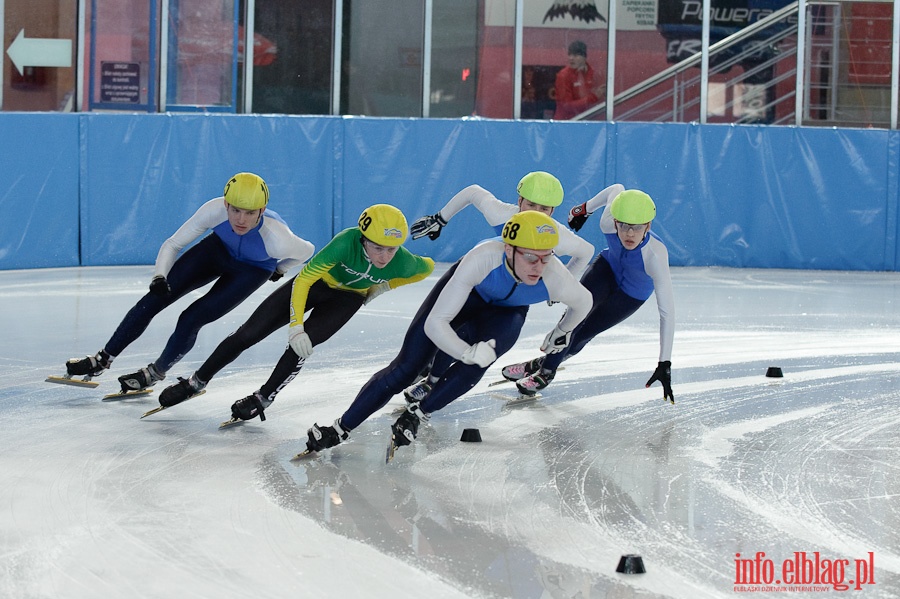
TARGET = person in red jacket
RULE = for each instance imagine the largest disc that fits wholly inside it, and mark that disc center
(576, 88)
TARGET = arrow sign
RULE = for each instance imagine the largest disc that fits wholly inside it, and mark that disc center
(37, 52)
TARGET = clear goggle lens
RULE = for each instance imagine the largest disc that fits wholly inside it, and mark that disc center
(626, 228)
(534, 258)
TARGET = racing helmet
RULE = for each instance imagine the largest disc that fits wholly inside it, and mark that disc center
(384, 225)
(541, 188)
(633, 207)
(532, 230)
(247, 192)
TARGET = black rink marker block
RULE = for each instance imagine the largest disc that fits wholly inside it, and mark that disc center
(631, 564)
(471, 435)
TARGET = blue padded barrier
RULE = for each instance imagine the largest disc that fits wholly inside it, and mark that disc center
(39, 160)
(146, 174)
(107, 189)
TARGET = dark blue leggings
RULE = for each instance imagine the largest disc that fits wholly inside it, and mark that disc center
(477, 321)
(611, 306)
(205, 262)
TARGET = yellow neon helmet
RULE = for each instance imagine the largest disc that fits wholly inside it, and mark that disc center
(383, 224)
(531, 230)
(541, 188)
(633, 207)
(247, 191)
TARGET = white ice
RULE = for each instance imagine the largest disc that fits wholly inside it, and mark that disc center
(96, 502)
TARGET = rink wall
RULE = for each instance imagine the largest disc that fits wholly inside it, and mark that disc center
(107, 189)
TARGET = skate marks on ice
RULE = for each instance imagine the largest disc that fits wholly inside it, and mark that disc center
(789, 465)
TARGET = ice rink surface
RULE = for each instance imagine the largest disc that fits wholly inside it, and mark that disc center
(95, 502)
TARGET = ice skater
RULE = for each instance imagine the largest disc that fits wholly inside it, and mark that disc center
(248, 245)
(537, 190)
(473, 316)
(621, 279)
(356, 266)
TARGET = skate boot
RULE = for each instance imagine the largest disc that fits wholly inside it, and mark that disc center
(89, 365)
(514, 372)
(325, 437)
(418, 391)
(182, 390)
(140, 380)
(250, 407)
(406, 427)
(533, 383)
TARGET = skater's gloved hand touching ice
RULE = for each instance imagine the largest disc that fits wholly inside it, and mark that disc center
(300, 341)
(159, 286)
(482, 353)
(663, 374)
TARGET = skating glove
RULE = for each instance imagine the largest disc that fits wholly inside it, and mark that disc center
(276, 275)
(578, 216)
(376, 290)
(481, 354)
(428, 225)
(300, 342)
(159, 286)
(663, 374)
(556, 341)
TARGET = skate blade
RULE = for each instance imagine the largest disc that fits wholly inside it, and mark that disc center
(513, 400)
(303, 454)
(161, 408)
(230, 423)
(391, 450)
(124, 394)
(64, 380)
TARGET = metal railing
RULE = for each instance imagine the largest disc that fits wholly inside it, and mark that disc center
(752, 33)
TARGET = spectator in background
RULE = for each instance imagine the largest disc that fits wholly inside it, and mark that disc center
(576, 90)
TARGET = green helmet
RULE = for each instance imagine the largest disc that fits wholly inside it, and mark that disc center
(541, 188)
(247, 192)
(633, 207)
(384, 225)
(531, 230)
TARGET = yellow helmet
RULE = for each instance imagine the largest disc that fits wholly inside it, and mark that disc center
(247, 191)
(632, 207)
(384, 225)
(531, 230)
(541, 188)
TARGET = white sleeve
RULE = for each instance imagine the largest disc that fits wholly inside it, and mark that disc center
(207, 216)
(656, 263)
(580, 250)
(564, 288)
(604, 197)
(472, 269)
(283, 245)
(495, 212)
(607, 222)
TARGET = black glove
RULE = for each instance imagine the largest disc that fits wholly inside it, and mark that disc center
(578, 216)
(159, 286)
(276, 275)
(663, 374)
(428, 225)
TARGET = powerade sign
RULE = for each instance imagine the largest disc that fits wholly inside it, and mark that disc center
(680, 22)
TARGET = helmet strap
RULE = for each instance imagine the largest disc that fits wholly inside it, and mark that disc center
(511, 264)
